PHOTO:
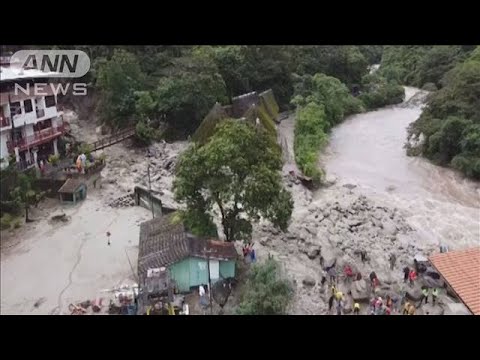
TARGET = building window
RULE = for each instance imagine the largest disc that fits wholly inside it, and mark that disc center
(27, 104)
(49, 101)
(15, 108)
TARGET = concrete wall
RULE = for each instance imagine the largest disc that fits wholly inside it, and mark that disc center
(193, 272)
(227, 269)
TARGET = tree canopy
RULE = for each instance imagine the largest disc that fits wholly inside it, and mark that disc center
(237, 170)
(450, 124)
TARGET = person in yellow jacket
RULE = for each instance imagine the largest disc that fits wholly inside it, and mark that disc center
(425, 294)
(356, 309)
(434, 295)
(339, 295)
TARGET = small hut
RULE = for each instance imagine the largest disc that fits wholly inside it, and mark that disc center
(72, 191)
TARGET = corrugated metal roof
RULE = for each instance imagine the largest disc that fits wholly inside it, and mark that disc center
(461, 270)
(70, 186)
(164, 241)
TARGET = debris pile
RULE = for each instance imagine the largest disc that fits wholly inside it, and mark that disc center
(123, 201)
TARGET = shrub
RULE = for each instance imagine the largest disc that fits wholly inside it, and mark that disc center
(54, 159)
(429, 87)
(5, 221)
(267, 292)
(17, 224)
(310, 136)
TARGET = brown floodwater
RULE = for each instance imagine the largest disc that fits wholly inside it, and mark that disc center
(367, 150)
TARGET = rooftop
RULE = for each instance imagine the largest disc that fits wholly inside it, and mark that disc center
(461, 270)
(70, 186)
(15, 73)
(165, 241)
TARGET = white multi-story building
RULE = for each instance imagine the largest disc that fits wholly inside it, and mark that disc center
(30, 124)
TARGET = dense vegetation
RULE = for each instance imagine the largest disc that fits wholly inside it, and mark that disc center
(322, 102)
(21, 195)
(238, 171)
(421, 65)
(267, 292)
(450, 124)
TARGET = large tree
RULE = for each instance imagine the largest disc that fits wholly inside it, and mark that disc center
(191, 87)
(118, 79)
(238, 171)
(24, 194)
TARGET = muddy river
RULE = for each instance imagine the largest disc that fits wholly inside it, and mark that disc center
(367, 150)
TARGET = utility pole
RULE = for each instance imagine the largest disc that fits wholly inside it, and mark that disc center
(207, 252)
(150, 188)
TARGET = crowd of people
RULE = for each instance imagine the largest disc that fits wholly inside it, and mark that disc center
(392, 304)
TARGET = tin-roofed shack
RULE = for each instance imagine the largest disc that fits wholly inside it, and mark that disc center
(164, 242)
(72, 190)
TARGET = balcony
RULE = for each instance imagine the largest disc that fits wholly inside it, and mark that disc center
(39, 137)
(4, 121)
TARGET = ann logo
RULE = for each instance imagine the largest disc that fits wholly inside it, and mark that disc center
(58, 64)
(54, 63)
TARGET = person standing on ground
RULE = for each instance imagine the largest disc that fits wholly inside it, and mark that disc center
(363, 255)
(392, 259)
(406, 308)
(333, 274)
(412, 276)
(322, 261)
(412, 310)
(339, 307)
(389, 302)
(108, 238)
(339, 296)
(334, 290)
(330, 303)
(434, 295)
(324, 277)
(373, 280)
(425, 294)
(406, 272)
(356, 309)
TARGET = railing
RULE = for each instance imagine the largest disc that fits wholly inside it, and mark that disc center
(4, 121)
(40, 113)
(37, 138)
(113, 139)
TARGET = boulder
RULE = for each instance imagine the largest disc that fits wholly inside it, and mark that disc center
(432, 310)
(456, 309)
(313, 253)
(264, 241)
(309, 281)
(389, 228)
(360, 290)
(414, 294)
(432, 283)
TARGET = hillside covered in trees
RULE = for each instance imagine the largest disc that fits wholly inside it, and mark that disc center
(448, 131)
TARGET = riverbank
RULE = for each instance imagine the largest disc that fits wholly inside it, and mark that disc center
(382, 201)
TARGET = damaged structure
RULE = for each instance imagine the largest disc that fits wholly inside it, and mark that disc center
(257, 109)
